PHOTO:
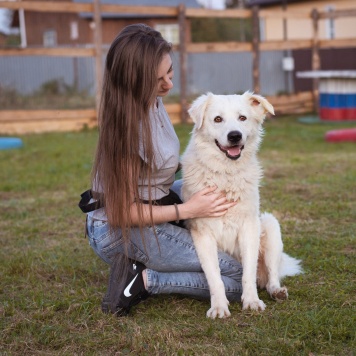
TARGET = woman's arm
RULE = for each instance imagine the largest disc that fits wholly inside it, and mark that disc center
(205, 203)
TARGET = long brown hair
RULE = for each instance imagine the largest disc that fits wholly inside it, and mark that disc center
(129, 92)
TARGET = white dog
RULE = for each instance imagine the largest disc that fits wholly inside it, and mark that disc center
(223, 152)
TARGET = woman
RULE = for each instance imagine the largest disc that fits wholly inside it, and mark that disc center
(137, 224)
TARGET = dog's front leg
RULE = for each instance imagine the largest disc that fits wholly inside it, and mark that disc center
(207, 251)
(249, 243)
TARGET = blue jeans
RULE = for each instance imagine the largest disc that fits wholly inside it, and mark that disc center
(170, 257)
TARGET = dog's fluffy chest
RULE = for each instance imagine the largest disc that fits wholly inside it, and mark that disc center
(238, 180)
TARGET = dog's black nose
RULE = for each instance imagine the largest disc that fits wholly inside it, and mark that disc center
(234, 136)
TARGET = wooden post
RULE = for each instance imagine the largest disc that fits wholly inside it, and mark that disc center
(286, 53)
(256, 49)
(183, 62)
(315, 57)
(98, 53)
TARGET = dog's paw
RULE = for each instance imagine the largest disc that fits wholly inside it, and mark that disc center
(256, 304)
(280, 294)
(219, 307)
(221, 312)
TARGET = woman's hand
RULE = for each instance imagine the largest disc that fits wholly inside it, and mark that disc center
(206, 203)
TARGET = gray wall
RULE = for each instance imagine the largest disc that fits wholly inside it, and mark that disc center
(220, 73)
(228, 73)
(26, 74)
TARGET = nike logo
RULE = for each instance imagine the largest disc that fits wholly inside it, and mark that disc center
(127, 289)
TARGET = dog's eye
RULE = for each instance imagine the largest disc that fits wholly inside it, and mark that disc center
(218, 119)
(242, 118)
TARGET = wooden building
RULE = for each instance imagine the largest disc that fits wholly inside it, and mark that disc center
(63, 29)
(299, 27)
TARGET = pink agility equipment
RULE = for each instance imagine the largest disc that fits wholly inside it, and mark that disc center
(343, 135)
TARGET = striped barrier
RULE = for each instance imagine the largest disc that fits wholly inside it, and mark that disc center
(337, 93)
(337, 99)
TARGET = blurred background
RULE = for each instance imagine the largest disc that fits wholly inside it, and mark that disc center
(52, 53)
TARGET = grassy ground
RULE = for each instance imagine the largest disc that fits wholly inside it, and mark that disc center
(51, 282)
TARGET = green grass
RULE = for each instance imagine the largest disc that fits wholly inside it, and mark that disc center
(51, 283)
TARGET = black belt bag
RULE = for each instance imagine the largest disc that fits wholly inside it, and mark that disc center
(87, 207)
(170, 199)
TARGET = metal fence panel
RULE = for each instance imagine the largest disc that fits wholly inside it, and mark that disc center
(273, 79)
(27, 74)
(220, 73)
(228, 73)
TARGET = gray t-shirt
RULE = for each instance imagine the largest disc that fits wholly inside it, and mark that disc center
(166, 152)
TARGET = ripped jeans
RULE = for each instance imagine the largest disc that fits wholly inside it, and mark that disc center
(169, 254)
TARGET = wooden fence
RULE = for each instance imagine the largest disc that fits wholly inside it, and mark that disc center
(47, 120)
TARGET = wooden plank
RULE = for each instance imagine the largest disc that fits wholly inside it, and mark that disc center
(292, 15)
(174, 111)
(37, 121)
(290, 106)
(219, 47)
(29, 115)
(338, 43)
(168, 11)
(64, 6)
(46, 115)
(67, 6)
(205, 47)
(98, 45)
(285, 45)
(266, 46)
(47, 6)
(315, 55)
(284, 99)
(37, 127)
(230, 13)
(306, 14)
(173, 108)
(300, 103)
(256, 49)
(58, 51)
(183, 65)
(337, 14)
(191, 48)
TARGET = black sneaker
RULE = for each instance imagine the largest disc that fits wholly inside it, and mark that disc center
(123, 293)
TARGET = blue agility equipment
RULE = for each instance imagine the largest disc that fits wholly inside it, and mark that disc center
(7, 143)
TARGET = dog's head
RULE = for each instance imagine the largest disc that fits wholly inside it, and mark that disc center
(230, 120)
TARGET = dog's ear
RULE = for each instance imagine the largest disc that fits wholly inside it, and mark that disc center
(197, 110)
(259, 102)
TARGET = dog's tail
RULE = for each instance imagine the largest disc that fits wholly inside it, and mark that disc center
(289, 266)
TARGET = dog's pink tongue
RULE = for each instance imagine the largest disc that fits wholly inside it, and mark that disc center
(234, 151)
